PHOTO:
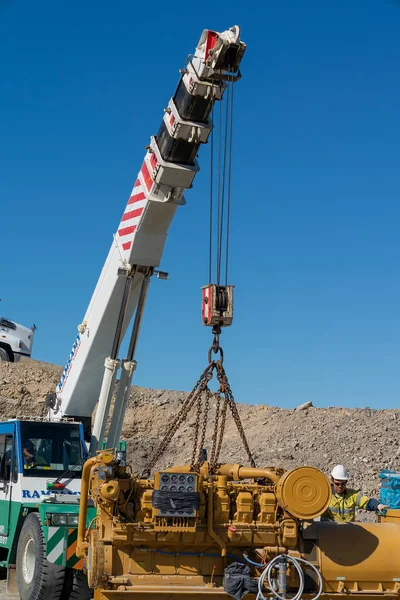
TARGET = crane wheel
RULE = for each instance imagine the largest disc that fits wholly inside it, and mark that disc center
(76, 586)
(37, 578)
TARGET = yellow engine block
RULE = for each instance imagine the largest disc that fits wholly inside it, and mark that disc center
(175, 535)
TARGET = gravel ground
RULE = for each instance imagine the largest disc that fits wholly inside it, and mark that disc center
(3, 593)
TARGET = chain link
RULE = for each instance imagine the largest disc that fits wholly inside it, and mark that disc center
(219, 434)
(200, 386)
(235, 414)
(194, 400)
(196, 432)
(205, 423)
(199, 444)
(216, 426)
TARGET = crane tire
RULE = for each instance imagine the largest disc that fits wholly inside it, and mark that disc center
(37, 578)
(76, 586)
(4, 355)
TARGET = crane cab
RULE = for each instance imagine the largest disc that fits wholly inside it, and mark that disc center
(40, 460)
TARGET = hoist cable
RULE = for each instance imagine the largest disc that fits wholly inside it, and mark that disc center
(220, 189)
(219, 241)
(228, 218)
(211, 190)
(223, 183)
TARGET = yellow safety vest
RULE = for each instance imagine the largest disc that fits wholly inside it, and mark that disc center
(342, 507)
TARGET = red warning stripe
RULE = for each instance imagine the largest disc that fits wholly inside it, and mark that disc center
(146, 176)
(126, 230)
(137, 198)
(132, 214)
(127, 245)
(153, 160)
(137, 182)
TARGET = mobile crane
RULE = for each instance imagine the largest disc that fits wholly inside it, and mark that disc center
(42, 459)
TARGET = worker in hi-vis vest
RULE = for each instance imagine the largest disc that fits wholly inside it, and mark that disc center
(344, 501)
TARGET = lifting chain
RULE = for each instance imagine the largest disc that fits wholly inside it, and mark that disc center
(220, 412)
(226, 390)
(198, 445)
(194, 402)
(201, 385)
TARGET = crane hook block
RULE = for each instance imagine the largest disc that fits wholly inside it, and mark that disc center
(217, 305)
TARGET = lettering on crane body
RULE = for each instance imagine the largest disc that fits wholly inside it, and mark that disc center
(41, 493)
(67, 368)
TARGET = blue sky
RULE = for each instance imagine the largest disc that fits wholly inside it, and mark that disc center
(315, 218)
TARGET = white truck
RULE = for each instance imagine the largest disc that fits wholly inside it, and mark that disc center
(15, 340)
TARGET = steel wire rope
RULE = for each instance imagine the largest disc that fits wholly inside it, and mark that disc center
(211, 190)
(222, 179)
(219, 193)
(223, 184)
(223, 169)
(228, 219)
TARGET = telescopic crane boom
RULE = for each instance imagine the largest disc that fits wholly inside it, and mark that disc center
(168, 169)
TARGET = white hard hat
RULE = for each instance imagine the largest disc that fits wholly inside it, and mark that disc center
(340, 473)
